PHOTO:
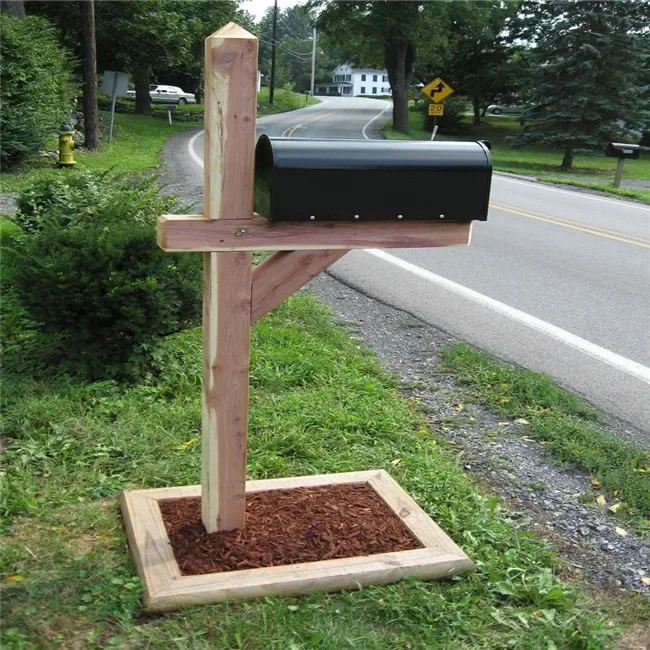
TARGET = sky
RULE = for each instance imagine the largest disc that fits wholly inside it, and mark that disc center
(257, 7)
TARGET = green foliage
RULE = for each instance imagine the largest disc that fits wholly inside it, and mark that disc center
(561, 419)
(137, 144)
(453, 120)
(37, 89)
(477, 55)
(293, 54)
(87, 269)
(590, 75)
(283, 100)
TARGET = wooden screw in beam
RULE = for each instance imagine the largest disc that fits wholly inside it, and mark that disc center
(230, 110)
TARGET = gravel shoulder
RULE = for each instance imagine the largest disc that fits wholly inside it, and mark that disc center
(557, 503)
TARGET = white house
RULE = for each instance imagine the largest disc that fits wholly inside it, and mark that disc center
(356, 81)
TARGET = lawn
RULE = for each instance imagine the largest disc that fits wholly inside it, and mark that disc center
(319, 404)
(137, 144)
(138, 141)
(542, 162)
(283, 100)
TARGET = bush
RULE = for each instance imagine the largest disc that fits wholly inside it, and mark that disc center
(452, 122)
(37, 89)
(88, 270)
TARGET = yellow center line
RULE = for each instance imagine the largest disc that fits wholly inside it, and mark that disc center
(288, 132)
(563, 220)
(574, 225)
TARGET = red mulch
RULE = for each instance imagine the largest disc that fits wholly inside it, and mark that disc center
(287, 527)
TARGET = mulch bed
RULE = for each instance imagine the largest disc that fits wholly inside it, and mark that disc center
(288, 527)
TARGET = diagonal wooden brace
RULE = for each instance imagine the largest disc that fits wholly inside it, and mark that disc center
(283, 273)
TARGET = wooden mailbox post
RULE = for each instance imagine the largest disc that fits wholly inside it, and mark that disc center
(234, 296)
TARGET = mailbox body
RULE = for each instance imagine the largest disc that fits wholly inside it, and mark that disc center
(300, 179)
(622, 150)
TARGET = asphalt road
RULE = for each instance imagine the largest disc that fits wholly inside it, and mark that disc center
(557, 281)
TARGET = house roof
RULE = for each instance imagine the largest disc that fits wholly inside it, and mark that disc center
(366, 70)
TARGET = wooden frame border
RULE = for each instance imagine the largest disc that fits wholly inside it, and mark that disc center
(166, 589)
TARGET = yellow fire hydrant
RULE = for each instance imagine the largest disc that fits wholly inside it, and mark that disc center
(66, 145)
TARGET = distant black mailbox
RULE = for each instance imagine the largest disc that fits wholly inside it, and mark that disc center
(300, 179)
(623, 150)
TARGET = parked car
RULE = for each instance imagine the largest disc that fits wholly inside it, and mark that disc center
(166, 95)
(497, 109)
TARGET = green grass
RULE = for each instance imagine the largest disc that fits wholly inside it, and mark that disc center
(624, 192)
(137, 144)
(138, 141)
(563, 421)
(542, 162)
(318, 404)
(283, 100)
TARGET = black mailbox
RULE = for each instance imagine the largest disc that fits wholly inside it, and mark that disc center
(622, 150)
(300, 179)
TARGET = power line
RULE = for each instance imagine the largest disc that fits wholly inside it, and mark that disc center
(286, 49)
(302, 38)
(300, 57)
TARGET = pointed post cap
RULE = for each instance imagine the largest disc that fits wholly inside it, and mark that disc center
(232, 30)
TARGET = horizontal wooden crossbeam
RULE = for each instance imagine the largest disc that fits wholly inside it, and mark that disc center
(194, 233)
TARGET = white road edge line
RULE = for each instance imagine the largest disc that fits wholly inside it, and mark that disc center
(621, 203)
(617, 361)
(190, 148)
(363, 130)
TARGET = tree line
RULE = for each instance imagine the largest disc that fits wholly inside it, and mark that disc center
(581, 66)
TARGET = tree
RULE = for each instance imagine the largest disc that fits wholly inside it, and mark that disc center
(294, 46)
(481, 62)
(384, 33)
(91, 131)
(153, 40)
(587, 87)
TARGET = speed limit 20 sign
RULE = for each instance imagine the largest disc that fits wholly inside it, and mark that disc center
(436, 110)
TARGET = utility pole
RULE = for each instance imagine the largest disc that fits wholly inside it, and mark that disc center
(89, 73)
(313, 61)
(275, 42)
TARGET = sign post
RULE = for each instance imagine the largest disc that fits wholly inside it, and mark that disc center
(115, 84)
(436, 91)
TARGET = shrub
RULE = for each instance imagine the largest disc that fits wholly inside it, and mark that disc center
(452, 122)
(87, 269)
(37, 89)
